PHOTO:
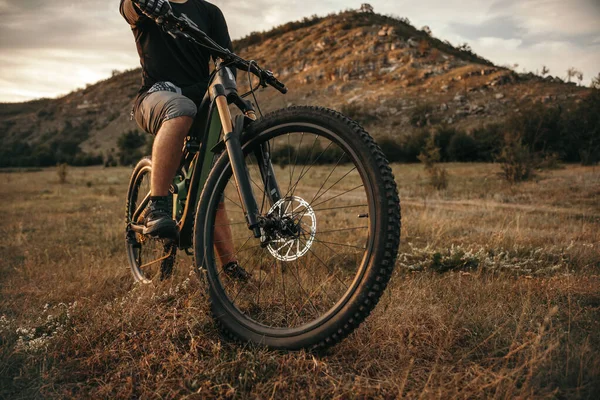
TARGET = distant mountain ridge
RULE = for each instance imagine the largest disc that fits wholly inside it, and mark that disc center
(377, 68)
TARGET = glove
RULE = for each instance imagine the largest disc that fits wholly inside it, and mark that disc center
(153, 8)
(164, 87)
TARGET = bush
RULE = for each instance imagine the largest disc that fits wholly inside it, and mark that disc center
(110, 161)
(516, 161)
(284, 155)
(393, 149)
(581, 130)
(573, 134)
(318, 155)
(488, 142)
(430, 156)
(62, 170)
(442, 138)
(130, 146)
(462, 147)
(86, 159)
(413, 144)
(540, 129)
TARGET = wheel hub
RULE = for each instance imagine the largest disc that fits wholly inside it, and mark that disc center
(291, 228)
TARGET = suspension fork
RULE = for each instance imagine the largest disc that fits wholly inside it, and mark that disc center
(232, 139)
(263, 158)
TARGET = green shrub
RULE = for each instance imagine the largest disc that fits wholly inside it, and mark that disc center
(430, 157)
(488, 142)
(110, 161)
(516, 161)
(540, 128)
(283, 155)
(310, 154)
(442, 138)
(393, 150)
(462, 147)
(413, 144)
(581, 130)
(87, 159)
(130, 146)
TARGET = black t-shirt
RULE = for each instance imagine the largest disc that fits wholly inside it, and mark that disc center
(179, 61)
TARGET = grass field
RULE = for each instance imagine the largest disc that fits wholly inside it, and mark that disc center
(496, 293)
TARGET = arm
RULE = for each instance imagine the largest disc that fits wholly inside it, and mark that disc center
(218, 29)
(220, 34)
(136, 11)
(131, 13)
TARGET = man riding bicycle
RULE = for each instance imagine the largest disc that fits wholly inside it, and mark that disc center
(175, 77)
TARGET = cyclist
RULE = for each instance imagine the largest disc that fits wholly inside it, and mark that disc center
(174, 79)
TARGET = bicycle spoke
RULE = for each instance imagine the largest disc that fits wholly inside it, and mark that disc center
(326, 179)
(343, 229)
(296, 278)
(340, 244)
(340, 207)
(330, 187)
(341, 194)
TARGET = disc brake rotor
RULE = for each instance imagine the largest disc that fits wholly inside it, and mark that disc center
(298, 229)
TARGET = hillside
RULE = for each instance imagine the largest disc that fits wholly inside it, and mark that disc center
(381, 71)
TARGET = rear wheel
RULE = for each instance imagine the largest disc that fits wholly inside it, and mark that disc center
(150, 259)
(332, 237)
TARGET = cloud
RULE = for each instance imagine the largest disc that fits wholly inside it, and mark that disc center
(49, 48)
(503, 27)
(56, 71)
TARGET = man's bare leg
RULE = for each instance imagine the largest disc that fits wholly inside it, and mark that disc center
(166, 153)
(166, 157)
(223, 237)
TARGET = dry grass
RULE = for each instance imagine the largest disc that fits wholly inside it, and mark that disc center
(515, 315)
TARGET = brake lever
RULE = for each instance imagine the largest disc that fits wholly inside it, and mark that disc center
(178, 34)
(187, 22)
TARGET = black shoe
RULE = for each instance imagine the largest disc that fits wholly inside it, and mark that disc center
(237, 272)
(158, 222)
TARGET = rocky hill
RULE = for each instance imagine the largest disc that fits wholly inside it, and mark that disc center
(382, 71)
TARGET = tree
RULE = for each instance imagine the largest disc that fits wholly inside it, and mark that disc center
(579, 76)
(367, 8)
(545, 70)
(465, 47)
(596, 82)
(130, 146)
(572, 72)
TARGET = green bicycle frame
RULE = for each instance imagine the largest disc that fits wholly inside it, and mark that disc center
(180, 183)
(188, 189)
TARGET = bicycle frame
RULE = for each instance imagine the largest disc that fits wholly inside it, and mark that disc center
(212, 132)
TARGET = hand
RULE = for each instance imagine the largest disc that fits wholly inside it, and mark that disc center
(164, 87)
(153, 8)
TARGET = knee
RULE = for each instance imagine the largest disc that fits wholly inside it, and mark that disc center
(180, 106)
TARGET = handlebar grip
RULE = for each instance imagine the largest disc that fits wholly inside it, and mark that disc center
(278, 85)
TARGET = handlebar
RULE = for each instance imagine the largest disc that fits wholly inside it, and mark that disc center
(184, 27)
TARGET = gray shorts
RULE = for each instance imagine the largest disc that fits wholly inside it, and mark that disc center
(157, 107)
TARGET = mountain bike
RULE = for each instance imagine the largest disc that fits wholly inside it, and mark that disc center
(312, 209)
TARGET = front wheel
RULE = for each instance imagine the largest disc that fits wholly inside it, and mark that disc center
(332, 237)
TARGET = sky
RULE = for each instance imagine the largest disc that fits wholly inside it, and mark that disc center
(51, 47)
